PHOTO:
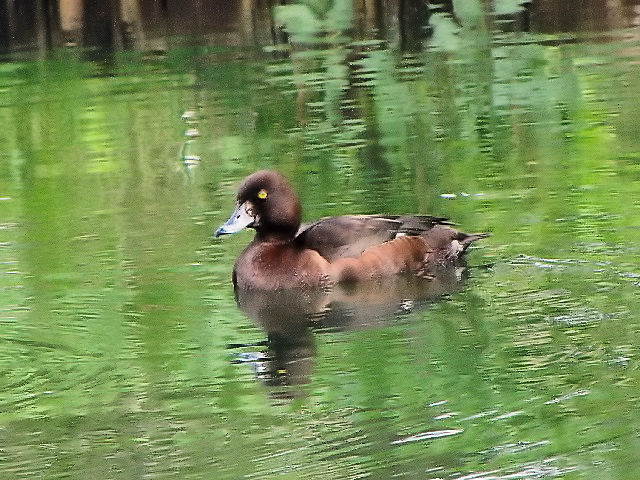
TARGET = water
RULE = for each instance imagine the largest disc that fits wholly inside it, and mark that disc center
(124, 354)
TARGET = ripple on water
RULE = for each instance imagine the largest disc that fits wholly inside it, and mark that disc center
(580, 317)
(430, 435)
(543, 469)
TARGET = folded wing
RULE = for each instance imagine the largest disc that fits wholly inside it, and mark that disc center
(348, 236)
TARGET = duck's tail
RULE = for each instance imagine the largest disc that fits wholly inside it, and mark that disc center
(467, 239)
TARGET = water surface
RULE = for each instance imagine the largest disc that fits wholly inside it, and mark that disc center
(124, 354)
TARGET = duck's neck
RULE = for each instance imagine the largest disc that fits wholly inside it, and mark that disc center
(275, 236)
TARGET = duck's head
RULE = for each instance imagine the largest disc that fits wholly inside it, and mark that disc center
(266, 202)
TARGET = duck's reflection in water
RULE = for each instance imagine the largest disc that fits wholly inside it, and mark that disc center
(290, 317)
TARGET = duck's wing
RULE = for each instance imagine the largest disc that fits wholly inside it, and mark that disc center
(348, 236)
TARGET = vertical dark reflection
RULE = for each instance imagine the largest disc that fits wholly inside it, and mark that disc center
(5, 23)
(102, 25)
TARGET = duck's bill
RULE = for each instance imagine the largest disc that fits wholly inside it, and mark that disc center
(239, 219)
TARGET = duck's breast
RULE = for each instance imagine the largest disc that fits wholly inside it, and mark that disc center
(272, 266)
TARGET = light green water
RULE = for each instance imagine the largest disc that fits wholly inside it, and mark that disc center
(123, 353)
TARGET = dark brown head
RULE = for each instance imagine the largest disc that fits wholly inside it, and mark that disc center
(266, 202)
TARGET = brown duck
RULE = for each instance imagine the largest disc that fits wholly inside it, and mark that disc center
(348, 248)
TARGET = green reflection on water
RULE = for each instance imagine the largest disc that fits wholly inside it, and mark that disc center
(117, 308)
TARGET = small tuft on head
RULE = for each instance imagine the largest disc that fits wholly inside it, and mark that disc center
(262, 180)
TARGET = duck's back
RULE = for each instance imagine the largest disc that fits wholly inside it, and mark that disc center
(348, 236)
(361, 247)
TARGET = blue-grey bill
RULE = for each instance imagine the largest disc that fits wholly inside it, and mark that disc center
(238, 220)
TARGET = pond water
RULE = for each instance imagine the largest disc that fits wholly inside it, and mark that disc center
(123, 351)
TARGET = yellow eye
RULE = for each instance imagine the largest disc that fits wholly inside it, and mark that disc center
(262, 194)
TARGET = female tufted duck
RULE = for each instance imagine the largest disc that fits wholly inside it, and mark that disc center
(349, 248)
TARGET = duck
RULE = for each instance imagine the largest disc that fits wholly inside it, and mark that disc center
(346, 249)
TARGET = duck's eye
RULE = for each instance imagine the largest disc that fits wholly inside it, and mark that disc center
(262, 194)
